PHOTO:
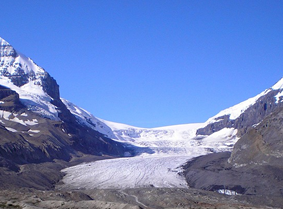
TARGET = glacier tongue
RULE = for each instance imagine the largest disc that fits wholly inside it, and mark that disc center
(163, 168)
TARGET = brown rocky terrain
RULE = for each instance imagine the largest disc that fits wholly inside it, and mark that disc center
(254, 167)
(126, 199)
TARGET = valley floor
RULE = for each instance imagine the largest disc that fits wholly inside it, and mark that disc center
(22, 195)
(146, 198)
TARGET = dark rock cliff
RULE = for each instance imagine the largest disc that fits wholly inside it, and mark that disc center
(9, 100)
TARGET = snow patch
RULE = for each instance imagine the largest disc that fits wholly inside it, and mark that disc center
(227, 192)
(278, 97)
(11, 129)
(31, 122)
(5, 115)
(34, 131)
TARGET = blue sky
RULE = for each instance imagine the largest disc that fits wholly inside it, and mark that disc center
(151, 63)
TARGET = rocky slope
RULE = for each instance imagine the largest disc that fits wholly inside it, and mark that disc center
(253, 168)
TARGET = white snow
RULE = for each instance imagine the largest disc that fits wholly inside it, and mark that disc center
(34, 131)
(5, 114)
(278, 85)
(227, 192)
(11, 129)
(33, 97)
(13, 117)
(17, 120)
(31, 122)
(279, 96)
(3, 42)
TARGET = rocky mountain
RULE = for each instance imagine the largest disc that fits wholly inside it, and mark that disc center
(262, 145)
(36, 126)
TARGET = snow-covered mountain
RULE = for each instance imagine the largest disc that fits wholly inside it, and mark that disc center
(36, 126)
(34, 85)
(39, 121)
(39, 92)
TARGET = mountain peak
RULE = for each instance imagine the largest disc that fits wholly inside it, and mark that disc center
(3, 42)
(29, 80)
(17, 67)
(278, 85)
(6, 50)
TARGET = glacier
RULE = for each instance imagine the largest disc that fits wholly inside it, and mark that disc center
(171, 146)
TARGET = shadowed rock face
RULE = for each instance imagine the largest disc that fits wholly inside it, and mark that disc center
(10, 100)
(26, 137)
(264, 106)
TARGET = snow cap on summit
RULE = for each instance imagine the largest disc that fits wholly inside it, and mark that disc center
(36, 88)
(278, 85)
(3, 42)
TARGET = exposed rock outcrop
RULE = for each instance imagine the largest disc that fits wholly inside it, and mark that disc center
(262, 145)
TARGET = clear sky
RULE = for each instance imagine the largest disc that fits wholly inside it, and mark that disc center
(151, 63)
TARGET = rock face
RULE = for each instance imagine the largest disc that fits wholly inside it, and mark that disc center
(9, 100)
(262, 145)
